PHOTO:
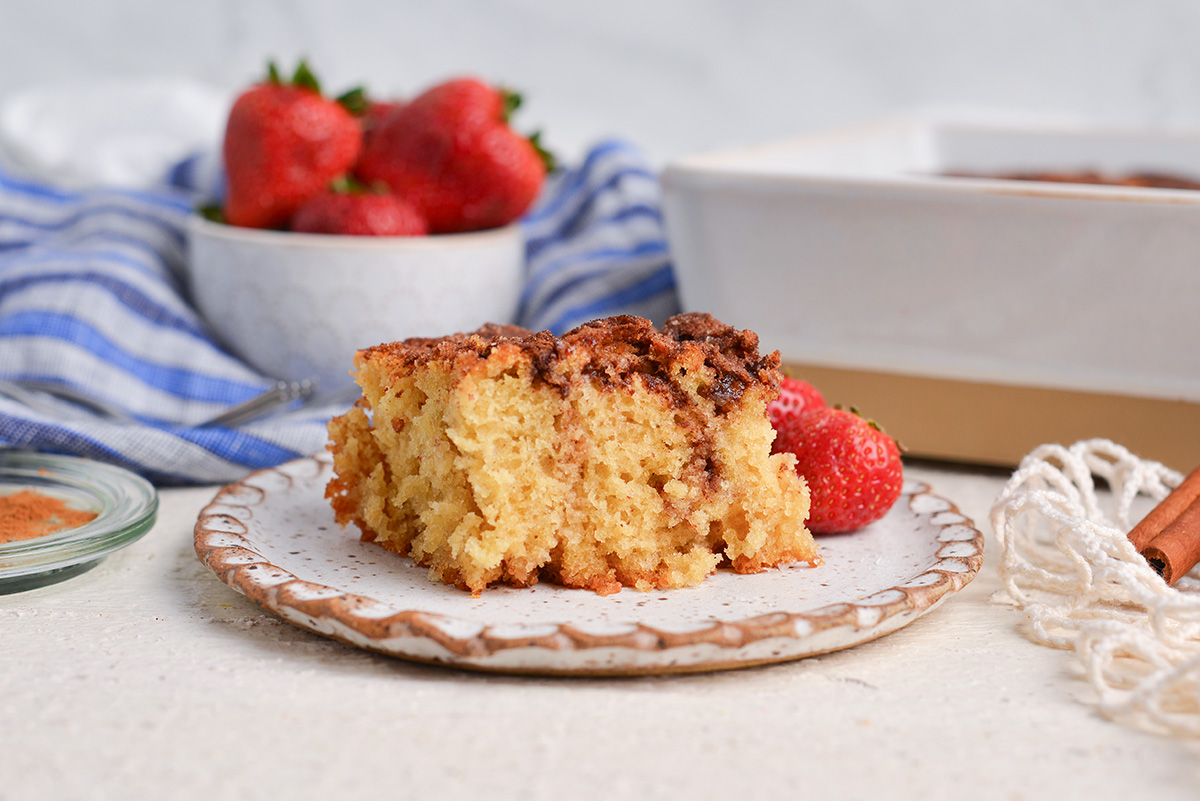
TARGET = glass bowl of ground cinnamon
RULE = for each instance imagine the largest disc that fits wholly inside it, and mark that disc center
(61, 515)
(29, 513)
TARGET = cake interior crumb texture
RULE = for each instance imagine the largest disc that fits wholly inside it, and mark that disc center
(616, 456)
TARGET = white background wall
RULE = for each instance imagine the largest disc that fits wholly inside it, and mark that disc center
(676, 76)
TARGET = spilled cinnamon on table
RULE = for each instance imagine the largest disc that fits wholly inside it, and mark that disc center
(28, 514)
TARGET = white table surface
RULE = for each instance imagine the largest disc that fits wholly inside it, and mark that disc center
(149, 678)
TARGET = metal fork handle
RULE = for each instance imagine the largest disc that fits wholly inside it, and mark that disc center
(282, 393)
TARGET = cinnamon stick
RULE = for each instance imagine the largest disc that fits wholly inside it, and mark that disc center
(1176, 549)
(1167, 510)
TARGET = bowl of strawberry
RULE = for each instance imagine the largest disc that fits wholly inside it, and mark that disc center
(348, 222)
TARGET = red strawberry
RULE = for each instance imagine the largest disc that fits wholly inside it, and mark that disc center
(369, 111)
(451, 152)
(339, 210)
(376, 112)
(283, 144)
(853, 468)
(795, 397)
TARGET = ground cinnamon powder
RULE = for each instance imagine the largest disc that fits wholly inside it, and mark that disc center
(27, 514)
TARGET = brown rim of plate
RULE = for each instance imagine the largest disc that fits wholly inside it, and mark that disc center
(221, 545)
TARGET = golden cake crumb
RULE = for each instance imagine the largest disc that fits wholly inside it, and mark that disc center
(615, 456)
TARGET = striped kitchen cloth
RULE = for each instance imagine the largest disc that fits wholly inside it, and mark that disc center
(92, 297)
(595, 245)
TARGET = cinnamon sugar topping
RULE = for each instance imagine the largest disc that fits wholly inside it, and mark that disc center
(610, 351)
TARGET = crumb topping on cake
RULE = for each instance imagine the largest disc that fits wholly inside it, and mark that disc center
(612, 351)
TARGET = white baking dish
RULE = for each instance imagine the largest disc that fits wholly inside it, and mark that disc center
(855, 251)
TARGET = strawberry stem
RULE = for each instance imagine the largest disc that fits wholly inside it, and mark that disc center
(347, 184)
(304, 78)
(510, 102)
(548, 158)
(355, 101)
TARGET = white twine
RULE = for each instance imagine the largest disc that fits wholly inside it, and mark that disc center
(1072, 570)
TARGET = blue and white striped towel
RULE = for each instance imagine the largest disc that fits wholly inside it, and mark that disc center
(91, 296)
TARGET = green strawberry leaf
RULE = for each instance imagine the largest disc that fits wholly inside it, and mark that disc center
(211, 212)
(355, 101)
(347, 184)
(511, 101)
(273, 73)
(304, 78)
(547, 157)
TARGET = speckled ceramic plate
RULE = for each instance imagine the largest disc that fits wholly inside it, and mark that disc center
(272, 537)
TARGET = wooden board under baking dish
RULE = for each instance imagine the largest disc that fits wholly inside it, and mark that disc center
(997, 424)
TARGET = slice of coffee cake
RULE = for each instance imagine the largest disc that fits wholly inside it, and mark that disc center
(617, 455)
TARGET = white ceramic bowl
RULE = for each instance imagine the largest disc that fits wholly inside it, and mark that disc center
(297, 306)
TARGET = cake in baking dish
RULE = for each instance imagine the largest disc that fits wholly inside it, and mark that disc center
(615, 456)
